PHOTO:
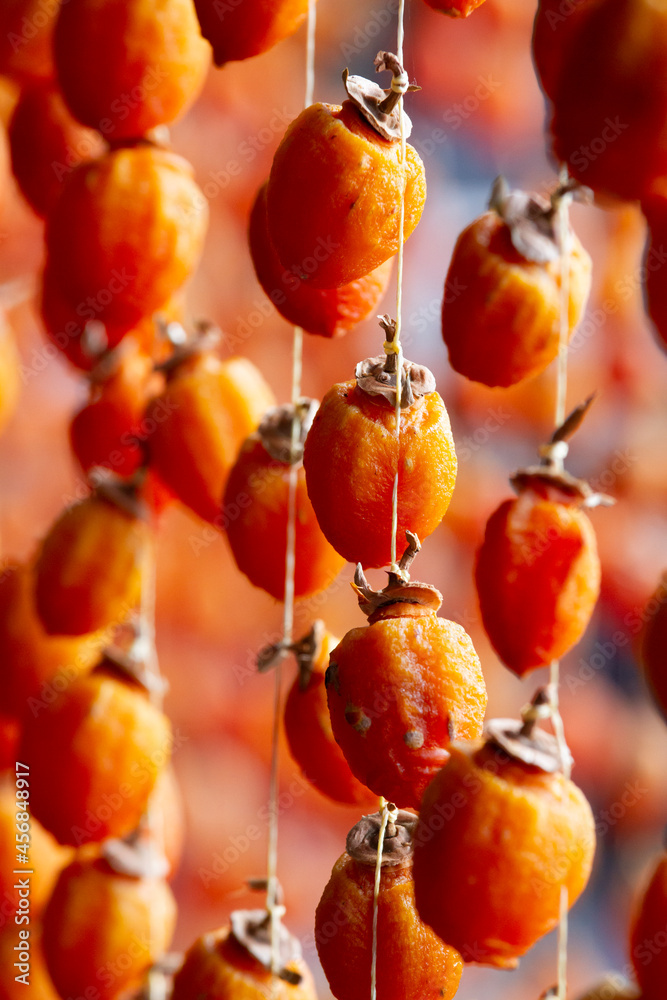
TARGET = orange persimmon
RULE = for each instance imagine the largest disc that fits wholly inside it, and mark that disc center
(609, 121)
(554, 30)
(207, 409)
(45, 855)
(241, 30)
(13, 987)
(308, 726)
(352, 455)
(125, 66)
(88, 572)
(345, 945)
(105, 927)
(118, 257)
(255, 508)
(402, 688)
(95, 753)
(654, 207)
(35, 665)
(327, 312)
(333, 193)
(10, 377)
(46, 144)
(26, 38)
(455, 8)
(537, 575)
(221, 966)
(647, 947)
(502, 302)
(654, 645)
(497, 841)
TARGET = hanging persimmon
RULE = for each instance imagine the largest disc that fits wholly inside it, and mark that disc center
(344, 945)
(257, 491)
(126, 66)
(538, 571)
(206, 411)
(403, 687)
(241, 30)
(501, 833)
(109, 919)
(352, 455)
(326, 312)
(654, 643)
(501, 312)
(308, 725)
(46, 144)
(95, 752)
(648, 958)
(554, 32)
(336, 183)
(235, 961)
(89, 567)
(26, 38)
(117, 257)
(455, 8)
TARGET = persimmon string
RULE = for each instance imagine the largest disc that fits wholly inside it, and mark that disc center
(387, 813)
(290, 562)
(399, 298)
(563, 228)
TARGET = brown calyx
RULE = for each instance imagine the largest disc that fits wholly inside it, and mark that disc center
(136, 855)
(284, 429)
(378, 376)
(307, 651)
(549, 479)
(401, 598)
(251, 929)
(522, 741)
(130, 665)
(532, 220)
(125, 494)
(397, 847)
(187, 348)
(381, 107)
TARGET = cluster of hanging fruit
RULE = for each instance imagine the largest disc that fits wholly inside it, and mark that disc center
(485, 833)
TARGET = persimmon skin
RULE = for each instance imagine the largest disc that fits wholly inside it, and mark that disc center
(125, 234)
(95, 754)
(27, 55)
(495, 843)
(41, 987)
(350, 458)
(217, 967)
(614, 140)
(400, 676)
(455, 8)
(32, 659)
(346, 954)
(654, 207)
(553, 33)
(47, 857)
(88, 572)
(311, 739)
(325, 312)
(538, 580)
(211, 407)
(258, 533)
(126, 66)
(249, 28)
(650, 963)
(501, 312)
(654, 645)
(10, 377)
(97, 916)
(333, 193)
(46, 144)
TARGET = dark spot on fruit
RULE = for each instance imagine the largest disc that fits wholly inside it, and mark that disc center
(357, 718)
(331, 677)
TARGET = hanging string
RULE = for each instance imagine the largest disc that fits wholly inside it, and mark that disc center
(399, 301)
(275, 911)
(388, 813)
(563, 228)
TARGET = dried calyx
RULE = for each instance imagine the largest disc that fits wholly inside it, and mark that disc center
(524, 742)
(549, 478)
(378, 376)
(136, 855)
(205, 337)
(306, 650)
(252, 930)
(133, 663)
(532, 220)
(380, 107)
(400, 591)
(158, 980)
(284, 428)
(122, 493)
(397, 848)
